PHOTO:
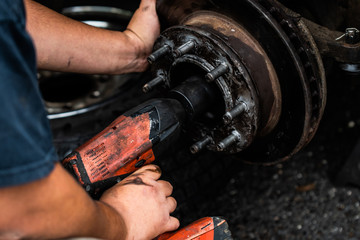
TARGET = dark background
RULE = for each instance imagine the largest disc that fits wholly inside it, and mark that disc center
(315, 194)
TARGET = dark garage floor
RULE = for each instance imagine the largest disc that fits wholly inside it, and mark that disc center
(301, 198)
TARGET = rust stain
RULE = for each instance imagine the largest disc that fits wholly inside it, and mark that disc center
(253, 57)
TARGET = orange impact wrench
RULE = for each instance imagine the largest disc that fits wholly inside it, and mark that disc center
(136, 138)
(125, 145)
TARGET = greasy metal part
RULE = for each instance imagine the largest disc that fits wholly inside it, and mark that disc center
(352, 35)
(274, 68)
(308, 87)
(328, 46)
(255, 60)
(217, 72)
(196, 95)
(236, 111)
(185, 48)
(234, 86)
(159, 53)
(231, 139)
(153, 83)
(216, 55)
(200, 145)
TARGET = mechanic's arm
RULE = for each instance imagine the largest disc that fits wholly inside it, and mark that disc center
(63, 44)
(57, 207)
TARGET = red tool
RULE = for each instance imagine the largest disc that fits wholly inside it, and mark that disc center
(137, 137)
(208, 228)
(125, 145)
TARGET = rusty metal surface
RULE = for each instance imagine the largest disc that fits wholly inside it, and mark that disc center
(284, 42)
(340, 50)
(254, 58)
(327, 34)
(314, 80)
(235, 86)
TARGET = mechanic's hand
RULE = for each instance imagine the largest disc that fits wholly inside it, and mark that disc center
(144, 28)
(144, 203)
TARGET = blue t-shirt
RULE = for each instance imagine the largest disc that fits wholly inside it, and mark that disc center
(26, 150)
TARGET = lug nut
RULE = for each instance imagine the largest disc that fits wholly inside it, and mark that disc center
(236, 111)
(231, 139)
(158, 53)
(198, 146)
(217, 72)
(185, 48)
(150, 85)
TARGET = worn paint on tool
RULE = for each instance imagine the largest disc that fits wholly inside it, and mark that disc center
(117, 149)
(202, 229)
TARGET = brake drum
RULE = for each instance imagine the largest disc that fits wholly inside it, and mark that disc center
(264, 63)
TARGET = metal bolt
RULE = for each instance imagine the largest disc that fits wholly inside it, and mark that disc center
(150, 85)
(198, 146)
(185, 48)
(352, 35)
(158, 53)
(236, 111)
(231, 139)
(217, 72)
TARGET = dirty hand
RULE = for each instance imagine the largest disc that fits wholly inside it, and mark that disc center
(144, 28)
(144, 203)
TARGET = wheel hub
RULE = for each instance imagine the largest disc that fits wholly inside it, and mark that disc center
(264, 64)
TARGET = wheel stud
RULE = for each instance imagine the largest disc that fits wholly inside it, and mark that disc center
(217, 72)
(158, 53)
(231, 139)
(185, 48)
(236, 111)
(155, 82)
(198, 146)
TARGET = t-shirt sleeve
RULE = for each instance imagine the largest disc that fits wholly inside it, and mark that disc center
(26, 150)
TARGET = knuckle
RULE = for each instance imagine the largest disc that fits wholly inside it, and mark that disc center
(171, 187)
(175, 202)
(168, 185)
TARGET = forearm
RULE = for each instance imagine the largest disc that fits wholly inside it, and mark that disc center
(63, 44)
(56, 207)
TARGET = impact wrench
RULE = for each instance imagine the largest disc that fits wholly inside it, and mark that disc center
(139, 136)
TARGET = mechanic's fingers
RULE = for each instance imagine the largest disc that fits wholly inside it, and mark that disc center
(149, 171)
(165, 187)
(172, 204)
(172, 225)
